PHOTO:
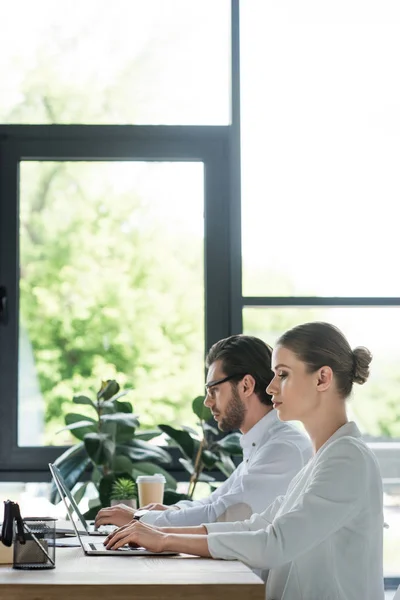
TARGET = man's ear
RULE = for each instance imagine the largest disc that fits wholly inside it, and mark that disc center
(324, 378)
(249, 383)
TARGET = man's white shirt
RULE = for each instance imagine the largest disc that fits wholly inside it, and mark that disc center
(273, 453)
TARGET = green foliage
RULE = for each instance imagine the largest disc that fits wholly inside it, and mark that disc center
(123, 489)
(78, 235)
(203, 451)
(107, 442)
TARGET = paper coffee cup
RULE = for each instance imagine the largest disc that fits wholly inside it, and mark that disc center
(150, 488)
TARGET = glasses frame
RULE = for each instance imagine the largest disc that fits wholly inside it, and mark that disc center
(211, 384)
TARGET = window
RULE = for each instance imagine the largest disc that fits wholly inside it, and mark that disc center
(122, 62)
(319, 190)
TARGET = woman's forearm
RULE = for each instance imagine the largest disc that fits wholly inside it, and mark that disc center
(187, 544)
(198, 530)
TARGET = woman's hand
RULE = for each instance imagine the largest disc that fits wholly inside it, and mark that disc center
(115, 515)
(137, 534)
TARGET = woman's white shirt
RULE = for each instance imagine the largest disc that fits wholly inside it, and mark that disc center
(323, 540)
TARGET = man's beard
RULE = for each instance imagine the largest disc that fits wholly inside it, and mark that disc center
(235, 413)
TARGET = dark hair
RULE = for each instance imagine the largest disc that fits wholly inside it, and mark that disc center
(245, 355)
(321, 344)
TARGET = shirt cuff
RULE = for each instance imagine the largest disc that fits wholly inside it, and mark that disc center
(218, 527)
(218, 550)
(151, 516)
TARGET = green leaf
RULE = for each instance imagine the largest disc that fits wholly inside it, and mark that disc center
(72, 464)
(122, 464)
(146, 468)
(80, 492)
(100, 447)
(137, 450)
(107, 390)
(229, 444)
(187, 464)
(93, 510)
(79, 425)
(172, 497)
(204, 477)
(203, 412)
(225, 465)
(183, 439)
(121, 418)
(125, 407)
(209, 428)
(209, 458)
(105, 487)
(83, 400)
(147, 435)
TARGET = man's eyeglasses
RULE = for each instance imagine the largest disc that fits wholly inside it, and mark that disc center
(211, 384)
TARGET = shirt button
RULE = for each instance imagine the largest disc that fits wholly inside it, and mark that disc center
(247, 460)
(253, 444)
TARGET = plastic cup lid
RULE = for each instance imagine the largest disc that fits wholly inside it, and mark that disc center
(156, 478)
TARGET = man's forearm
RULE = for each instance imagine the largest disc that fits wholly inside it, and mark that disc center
(187, 544)
(198, 530)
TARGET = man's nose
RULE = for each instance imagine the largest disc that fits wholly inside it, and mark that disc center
(207, 400)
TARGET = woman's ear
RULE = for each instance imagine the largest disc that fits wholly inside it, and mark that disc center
(325, 378)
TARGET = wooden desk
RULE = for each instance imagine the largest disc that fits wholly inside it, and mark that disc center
(79, 577)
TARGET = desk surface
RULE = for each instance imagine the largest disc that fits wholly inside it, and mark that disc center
(79, 577)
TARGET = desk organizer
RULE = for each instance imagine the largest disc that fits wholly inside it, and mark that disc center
(38, 551)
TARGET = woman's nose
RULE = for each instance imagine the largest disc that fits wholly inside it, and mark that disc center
(272, 388)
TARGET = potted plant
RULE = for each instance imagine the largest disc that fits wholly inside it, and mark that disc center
(110, 445)
(204, 449)
(124, 490)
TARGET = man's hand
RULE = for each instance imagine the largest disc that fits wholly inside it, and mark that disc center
(136, 534)
(157, 506)
(115, 515)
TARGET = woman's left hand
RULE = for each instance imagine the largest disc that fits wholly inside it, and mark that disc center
(136, 534)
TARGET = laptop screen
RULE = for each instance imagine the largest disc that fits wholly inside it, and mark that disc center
(65, 493)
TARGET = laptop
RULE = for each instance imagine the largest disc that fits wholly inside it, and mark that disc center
(98, 548)
(88, 527)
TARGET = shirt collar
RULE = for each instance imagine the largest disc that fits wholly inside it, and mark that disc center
(254, 436)
(348, 429)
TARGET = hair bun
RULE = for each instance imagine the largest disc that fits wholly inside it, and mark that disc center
(361, 361)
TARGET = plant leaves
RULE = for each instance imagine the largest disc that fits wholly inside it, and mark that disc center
(72, 464)
(172, 497)
(122, 465)
(137, 450)
(203, 412)
(209, 428)
(108, 389)
(121, 418)
(147, 435)
(183, 439)
(187, 464)
(225, 465)
(100, 447)
(83, 400)
(104, 488)
(209, 458)
(79, 425)
(229, 444)
(80, 492)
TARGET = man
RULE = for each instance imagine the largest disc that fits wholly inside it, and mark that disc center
(239, 371)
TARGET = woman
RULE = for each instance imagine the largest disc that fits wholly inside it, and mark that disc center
(323, 539)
